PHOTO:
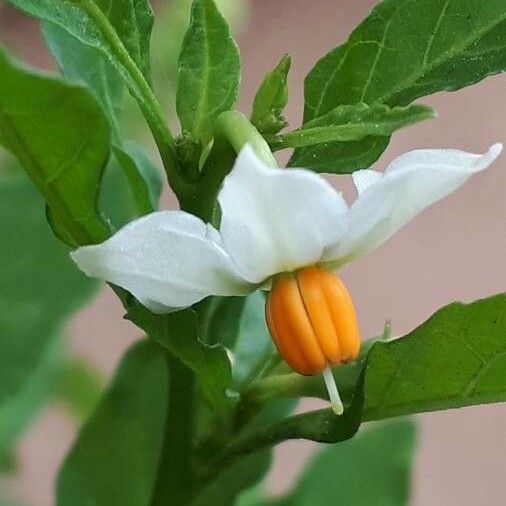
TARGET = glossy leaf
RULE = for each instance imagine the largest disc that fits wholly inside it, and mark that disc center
(80, 62)
(404, 50)
(116, 455)
(271, 99)
(131, 19)
(40, 289)
(178, 332)
(46, 124)
(209, 71)
(456, 358)
(351, 123)
(372, 468)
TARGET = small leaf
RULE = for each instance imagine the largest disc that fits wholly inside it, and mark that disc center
(116, 455)
(178, 332)
(444, 47)
(271, 99)
(61, 137)
(209, 71)
(372, 468)
(351, 123)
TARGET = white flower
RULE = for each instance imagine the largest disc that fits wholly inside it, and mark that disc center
(276, 222)
(273, 221)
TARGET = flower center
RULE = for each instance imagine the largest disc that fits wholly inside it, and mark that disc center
(311, 319)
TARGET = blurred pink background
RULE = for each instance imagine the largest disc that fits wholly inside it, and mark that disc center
(454, 251)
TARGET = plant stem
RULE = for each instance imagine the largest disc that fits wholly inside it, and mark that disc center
(175, 479)
(141, 91)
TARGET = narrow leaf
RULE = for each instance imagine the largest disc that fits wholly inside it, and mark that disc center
(404, 50)
(271, 99)
(115, 458)
(351, 123)
(209, 71)
(61, 137)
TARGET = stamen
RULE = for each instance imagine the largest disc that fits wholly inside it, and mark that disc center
(335, 400)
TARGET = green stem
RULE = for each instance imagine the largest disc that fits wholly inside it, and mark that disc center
(175, 480)
(140, 89)
(232, 131)
(238, 131)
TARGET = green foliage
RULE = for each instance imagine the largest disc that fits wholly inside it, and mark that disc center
(456, 358)
(79, 62)
(143, 177)
(271, 99)
(373, 468)
(209, 71)
(40, 289)
(351, 123)
(178, 333)
(116, 455)
(46, 124)
(404, 50)
(130, 22)
(79, 386)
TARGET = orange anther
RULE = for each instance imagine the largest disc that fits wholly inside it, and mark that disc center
(312, 320)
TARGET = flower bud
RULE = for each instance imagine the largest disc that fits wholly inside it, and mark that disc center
(311, 319)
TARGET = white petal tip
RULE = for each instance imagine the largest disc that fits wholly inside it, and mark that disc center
(495, 150)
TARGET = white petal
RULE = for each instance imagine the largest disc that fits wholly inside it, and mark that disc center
(276, 220)
(365, 178)
(167, 260)
(410, 184)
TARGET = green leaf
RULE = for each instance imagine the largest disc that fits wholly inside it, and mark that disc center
(209, 71)
(178, 332)
(224, 490)
(79, 386)
(372, 468)
(143, 177)
(456, 358)
(271, 99)
(404, 50)
(351, 123)
(20, 409)
(116, 455)
(41, 288)
(253, 348)
(61, 136)
(79, 62)
(132, 21)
